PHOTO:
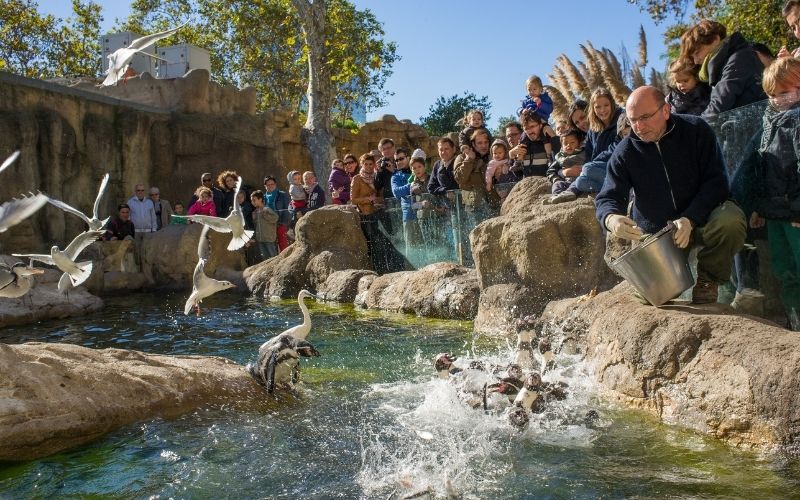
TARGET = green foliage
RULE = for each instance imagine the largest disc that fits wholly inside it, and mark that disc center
(347, 123)
(80, 41)
(446, 111)
(500, 131)
(758, 21)
(260, 43)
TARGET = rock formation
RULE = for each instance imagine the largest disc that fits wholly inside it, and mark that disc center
(327, 240)
(551, 251)
(732, 377)
(57, 396)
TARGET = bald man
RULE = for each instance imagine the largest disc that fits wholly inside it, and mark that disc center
(674, 165)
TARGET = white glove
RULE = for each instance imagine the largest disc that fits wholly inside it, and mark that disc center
(683, 232)
(623, 227)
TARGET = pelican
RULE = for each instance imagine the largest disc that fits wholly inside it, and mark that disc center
(95, 224)
(233, 223)
(75, 273)
(118, 61)
(17, 280)
(301, 331)
(202, 285)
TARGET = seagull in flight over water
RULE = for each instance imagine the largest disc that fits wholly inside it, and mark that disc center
(233, 223)
(95, 224)
(15, 211)
(119, 60)
(75, 273)
(202, 285)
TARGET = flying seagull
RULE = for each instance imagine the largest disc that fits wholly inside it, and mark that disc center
(119, 60)
(75, 273)
(16, 280)
(95, 224)
(233, 223)
(15, 211)
(202, 285)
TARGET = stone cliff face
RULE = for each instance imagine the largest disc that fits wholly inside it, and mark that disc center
(161, 133)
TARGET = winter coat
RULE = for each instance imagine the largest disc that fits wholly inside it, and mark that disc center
(339, 179)
(200, 208)
(442, 179)
(681, 175)
(600, 146)
(266, 224)
(402, 190)
(534, 163)
(778, 176)
(316, 198)
(734, 74)
(693, 102)
(470, 174)
(280, 205)
(562, 161)
(360, 191)
(543, 109)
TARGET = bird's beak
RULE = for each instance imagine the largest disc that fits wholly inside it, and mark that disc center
(30, 271)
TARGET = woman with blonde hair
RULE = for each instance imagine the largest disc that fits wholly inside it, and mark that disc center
(599, 146)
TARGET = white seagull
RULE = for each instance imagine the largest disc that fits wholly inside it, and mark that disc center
(233, 223)
(301, 331)
(95, 224)
(202, 285)
(119, 60)
(75, 273)
(16, 280)
(15, 211)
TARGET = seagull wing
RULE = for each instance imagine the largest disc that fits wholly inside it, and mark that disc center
(203, 247)
(15, 211)
(100, 193)
(218, 224)
(7, 275)
(11, 159)
(44, 259)
(80, 242)
(69, 209)
(146, 41)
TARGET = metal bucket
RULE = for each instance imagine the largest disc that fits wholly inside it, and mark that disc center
(657, 268)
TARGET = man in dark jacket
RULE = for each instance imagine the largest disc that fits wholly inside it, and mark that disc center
(442, 180)
(278, 202)
(674, 165)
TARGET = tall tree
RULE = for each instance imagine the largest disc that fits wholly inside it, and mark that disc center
(79, 41)
(447, 111)
(26, 37)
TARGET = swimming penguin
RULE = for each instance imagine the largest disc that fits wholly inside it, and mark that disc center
(524, 355)
(278, 361)
(443, 362)
(546, 356)
(528, 399)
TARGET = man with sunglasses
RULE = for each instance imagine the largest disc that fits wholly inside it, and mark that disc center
(674, 166)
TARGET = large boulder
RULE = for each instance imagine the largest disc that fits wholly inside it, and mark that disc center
(44, 301)
(441, 290)
(553, 251)
(57, 396)
(342, 286)
(502, 306)
(733, 377)
(328, 239)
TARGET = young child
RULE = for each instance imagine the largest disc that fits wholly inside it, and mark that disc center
(315, 194)
(537, 99)
(778, 199)
(297, 193)
(179, 211)
(266, 224)
(623, 126)
(688, 96)
(473, 121)
(567, 165)
(498, 166)
(204, 204)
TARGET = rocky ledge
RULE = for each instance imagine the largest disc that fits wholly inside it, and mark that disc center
(702, 367)
(57, 396)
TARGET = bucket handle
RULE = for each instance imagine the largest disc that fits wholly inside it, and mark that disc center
(669, 227)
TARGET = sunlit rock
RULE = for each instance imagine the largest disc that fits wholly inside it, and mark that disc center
(327, 240)
(732, 377)
(342, 286)
(57, 396)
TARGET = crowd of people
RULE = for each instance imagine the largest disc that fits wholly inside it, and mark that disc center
(648, 162)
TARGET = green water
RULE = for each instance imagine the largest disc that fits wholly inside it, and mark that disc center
(370, 420)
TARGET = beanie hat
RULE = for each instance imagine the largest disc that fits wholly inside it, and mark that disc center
(419, 153)
(499, 142)
(290, 175)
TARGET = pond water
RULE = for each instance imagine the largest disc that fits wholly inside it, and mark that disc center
(370, 420)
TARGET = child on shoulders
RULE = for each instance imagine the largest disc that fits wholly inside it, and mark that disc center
(473, 121)
(297, 194)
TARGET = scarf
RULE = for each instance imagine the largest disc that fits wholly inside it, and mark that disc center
(270, 199)
(368, 178)
(703, 76)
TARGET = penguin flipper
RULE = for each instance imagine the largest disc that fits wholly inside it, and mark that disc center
(273, 361)
(485, 405)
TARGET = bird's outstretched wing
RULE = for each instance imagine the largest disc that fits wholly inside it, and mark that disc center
(218, 224)
(80, 242)
(44, 259)
(11, 159)
(147, 40)
(236, 206)
(69, 209)
(100, 193)
(203, 247)
(15, 211)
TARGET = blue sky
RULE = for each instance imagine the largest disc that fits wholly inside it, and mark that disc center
(489, 48)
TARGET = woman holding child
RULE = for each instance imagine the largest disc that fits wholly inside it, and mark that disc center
(342, 172)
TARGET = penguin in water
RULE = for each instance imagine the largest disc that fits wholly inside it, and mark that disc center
(278, 361)
(509, 385)
(528, 399)
(524, 354)
(547, 358)
(443, 363)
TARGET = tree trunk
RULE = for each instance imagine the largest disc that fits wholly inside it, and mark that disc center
(316, 135)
